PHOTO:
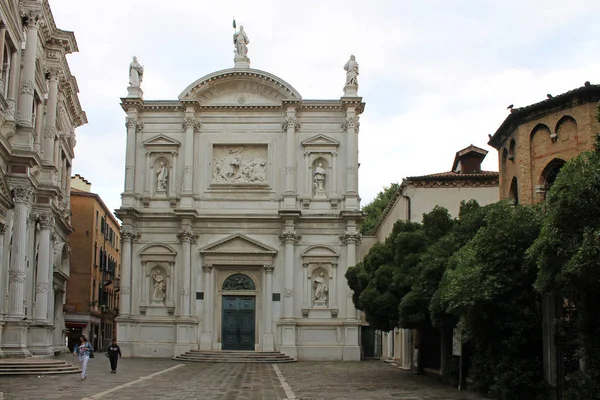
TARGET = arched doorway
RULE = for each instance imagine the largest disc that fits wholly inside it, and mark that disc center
(239, 314)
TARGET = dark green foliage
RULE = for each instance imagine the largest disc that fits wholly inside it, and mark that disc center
(374, 209)
(489, 288)
(567, 253)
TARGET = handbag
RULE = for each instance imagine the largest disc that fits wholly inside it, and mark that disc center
(91, 351)
(92, 355)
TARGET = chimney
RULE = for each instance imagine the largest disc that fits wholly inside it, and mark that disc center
(468, 160)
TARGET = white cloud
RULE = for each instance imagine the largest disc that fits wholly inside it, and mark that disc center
(436, 75)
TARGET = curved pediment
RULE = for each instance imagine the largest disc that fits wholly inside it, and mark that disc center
(320, 251)
(157, 250)
(234, 87)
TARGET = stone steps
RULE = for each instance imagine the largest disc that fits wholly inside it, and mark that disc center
(230, 356)
(36, 367)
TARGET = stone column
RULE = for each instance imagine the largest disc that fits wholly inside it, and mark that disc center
(190, 125)
(132, 125)
(351, 349)
(39, 127)
(268, 341)
(206, 336)
(2, 65)
(128, 235)
(42, 286)
(50, 132)
(28, 74)
(18, 263)
(13, 86)
(288, 323)
(3, 272)
(291, 124)
(186, 236)
(351, 124)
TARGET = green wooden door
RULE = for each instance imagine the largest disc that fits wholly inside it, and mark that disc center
(238, 322)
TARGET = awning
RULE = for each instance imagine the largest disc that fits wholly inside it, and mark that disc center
(76, 324)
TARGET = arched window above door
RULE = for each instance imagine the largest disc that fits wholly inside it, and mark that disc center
(239, 282)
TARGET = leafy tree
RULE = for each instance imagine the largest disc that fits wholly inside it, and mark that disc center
(489, 289)
(374, 209)
(567, 253)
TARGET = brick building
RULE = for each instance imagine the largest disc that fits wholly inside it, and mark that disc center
(92, 296)
(533, 143)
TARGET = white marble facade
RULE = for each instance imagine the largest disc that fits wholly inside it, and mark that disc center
(240, 215)
(39, 112)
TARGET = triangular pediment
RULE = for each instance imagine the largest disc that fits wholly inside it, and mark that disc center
(238, 244)
(162, 141)
(320, 141)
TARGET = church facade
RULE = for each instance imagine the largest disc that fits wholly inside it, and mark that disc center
(240, 215)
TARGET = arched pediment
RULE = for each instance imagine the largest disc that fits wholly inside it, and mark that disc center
(232, 87)
(320, 251)
(157, 250)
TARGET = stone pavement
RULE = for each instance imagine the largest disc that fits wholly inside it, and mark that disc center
(145, 379)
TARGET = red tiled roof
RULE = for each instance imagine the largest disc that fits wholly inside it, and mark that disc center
(451, 175)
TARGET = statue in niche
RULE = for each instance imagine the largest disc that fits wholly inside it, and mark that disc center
(321, 289)
(161, 178)
(136, 73)
(240, 40)
(319, 181)
(160, 291)
(351, 68)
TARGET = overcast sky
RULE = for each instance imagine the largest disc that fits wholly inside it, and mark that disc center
(436, 75)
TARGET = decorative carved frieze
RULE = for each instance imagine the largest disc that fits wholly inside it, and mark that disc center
(290, 170)
(191, 122)
(289, 237)
(15, 275)
(351, 237)
(42, 287)
(240, 164)
(288, 292)
(125, 290)
(351, 170)
(291, 122)
(22, 193)
(184, 291)
(27, 87)
(46, 220)
(187, 235)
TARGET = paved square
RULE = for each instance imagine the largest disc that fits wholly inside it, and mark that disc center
(154, 379)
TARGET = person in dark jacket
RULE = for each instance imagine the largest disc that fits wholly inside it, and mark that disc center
(114, 352)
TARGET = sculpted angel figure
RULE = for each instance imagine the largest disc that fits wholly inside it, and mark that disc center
(136, 73)
(351, 68)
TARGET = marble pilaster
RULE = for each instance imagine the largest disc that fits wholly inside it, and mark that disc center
(132, 127)
(291, 125)
(190, 125)
(128, 235)
(289, 238)
(186, 236)
(13, 85)
(268, 340)
(50, 132)
(207, 317)
(351, 124)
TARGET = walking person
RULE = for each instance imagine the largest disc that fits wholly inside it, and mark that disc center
(114, 352)
(84, 352)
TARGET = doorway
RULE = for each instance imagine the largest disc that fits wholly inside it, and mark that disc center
(239, 322)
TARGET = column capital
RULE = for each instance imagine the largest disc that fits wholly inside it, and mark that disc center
(46, 220)
(54, 73)
(22, 193)
(351, 123)
(269, 268)
(134, 123)
(32, 18)
(50, 132)
(207, 268)
(187, 235)
(191, 122)
(291, 122)
(349, 237)
(289, 237)
(129, 235)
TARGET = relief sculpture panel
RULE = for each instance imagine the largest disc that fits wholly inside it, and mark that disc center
(239, 164)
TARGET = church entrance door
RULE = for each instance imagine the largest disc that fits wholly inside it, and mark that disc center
(239, 322)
